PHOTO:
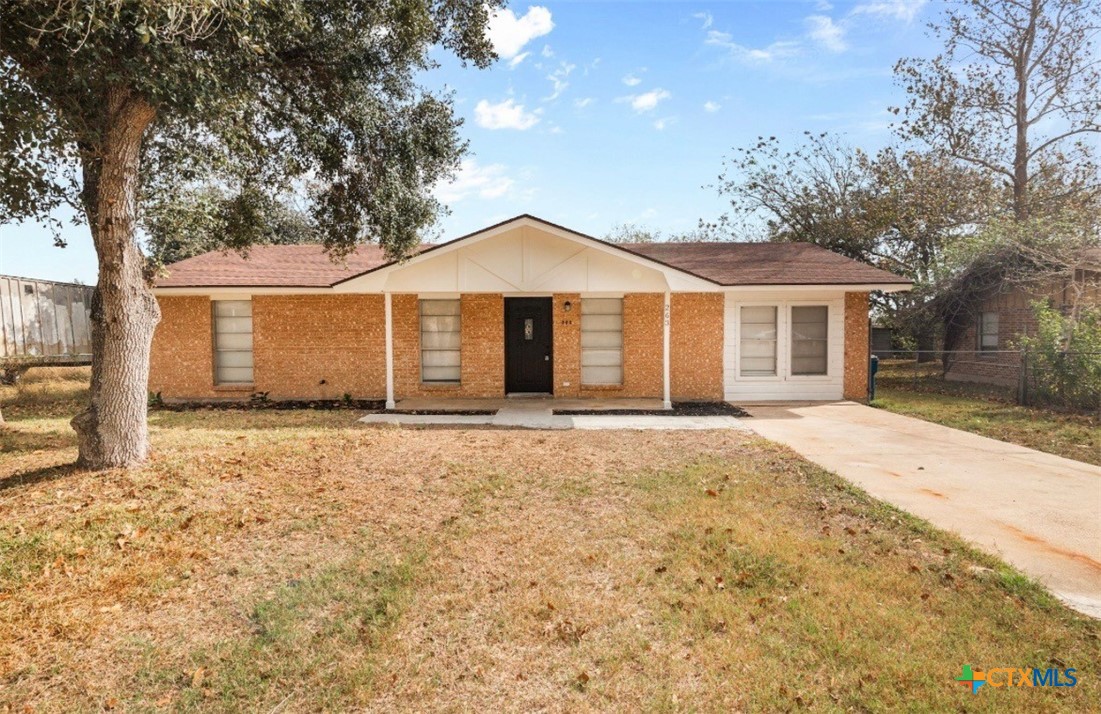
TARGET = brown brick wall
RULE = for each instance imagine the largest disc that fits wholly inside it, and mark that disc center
(856, 346)
(1015, 319)
(319, 346)
(300, 341)
(483, 345)
(482, 370)
(642, 348)
(181, 364)
(696, 346)
(567, 344)
(643, 315)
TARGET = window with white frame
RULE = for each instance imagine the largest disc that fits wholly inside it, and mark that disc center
(809, 343)
(440, 340)
(601, 341)
(757, 341)
(988, 331)
(233, 342)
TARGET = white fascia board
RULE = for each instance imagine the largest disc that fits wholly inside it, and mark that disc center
(858, 288)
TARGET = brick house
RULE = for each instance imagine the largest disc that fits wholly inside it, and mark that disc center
(989, 349)
(524, 306)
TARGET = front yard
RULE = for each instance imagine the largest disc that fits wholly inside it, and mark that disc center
(919, 391)
(298, 561)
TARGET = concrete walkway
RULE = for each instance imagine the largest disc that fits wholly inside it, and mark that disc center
(1042, 513)
(539, 414)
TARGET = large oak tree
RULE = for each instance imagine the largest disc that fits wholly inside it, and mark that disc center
(108, 104)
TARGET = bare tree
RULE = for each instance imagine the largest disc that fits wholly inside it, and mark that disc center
(1016, 92)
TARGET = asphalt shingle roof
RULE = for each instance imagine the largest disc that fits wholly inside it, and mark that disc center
(727, 264)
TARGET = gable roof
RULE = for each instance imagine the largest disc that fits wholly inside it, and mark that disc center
(723, 264)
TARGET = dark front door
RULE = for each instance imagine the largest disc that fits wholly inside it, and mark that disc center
(528, 361)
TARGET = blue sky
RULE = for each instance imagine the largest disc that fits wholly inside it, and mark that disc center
(601, 113)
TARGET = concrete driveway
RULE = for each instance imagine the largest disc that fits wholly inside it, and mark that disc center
(1042, 513)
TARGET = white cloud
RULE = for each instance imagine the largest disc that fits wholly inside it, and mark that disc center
(823, 6)
(660, 124)
(505, 115)
(904, 10)
(780, 49)
(631, 80)
(547, 51)
(711, 107)
(647, 101)
(826, 32)
(583, 102)
(509, 33)
(558, 81)
(705, 17)
(517, 59)
(475, 180)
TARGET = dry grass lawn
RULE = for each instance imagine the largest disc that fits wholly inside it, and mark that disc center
(297, 561)
(920, 391)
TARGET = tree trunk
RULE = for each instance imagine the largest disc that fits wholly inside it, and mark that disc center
(926, 339)
(113, 431)
(1021, 208)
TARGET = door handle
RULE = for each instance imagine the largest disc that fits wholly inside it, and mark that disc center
(546, 358)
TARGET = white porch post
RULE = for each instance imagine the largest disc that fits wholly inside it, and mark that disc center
(666, 401)
(389, 352)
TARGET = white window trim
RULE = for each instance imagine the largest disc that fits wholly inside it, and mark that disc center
(214, 341)
(829, 315)
(420, 341)
(783, 341)
(622, 342)
(738, 342)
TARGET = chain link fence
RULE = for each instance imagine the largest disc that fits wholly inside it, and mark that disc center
(1068, 381)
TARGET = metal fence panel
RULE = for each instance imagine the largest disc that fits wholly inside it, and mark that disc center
(44, 322)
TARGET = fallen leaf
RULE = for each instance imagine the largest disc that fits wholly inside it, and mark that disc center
(712, 493)
(110, 703)
(197, 678)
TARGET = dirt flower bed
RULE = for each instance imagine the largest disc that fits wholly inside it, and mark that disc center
(679, 409)
(298, 561)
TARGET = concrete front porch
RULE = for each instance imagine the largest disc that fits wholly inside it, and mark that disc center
(527, 403)
(537, 412)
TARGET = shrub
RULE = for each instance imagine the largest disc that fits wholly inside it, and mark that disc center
(1064, 357)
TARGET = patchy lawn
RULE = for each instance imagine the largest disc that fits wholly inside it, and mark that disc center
(299, 561)
(986, 410)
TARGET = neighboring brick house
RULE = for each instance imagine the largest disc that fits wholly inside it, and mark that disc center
(989, 350)
(524, 306)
